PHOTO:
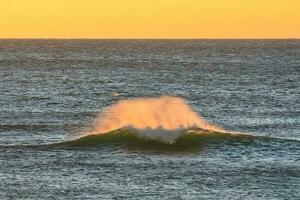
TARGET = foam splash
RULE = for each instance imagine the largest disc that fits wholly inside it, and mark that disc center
(164, 118)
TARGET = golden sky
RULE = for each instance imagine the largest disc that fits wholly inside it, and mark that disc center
(149, 18)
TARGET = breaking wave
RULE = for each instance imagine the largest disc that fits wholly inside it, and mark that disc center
(162, 118)
(191, 140)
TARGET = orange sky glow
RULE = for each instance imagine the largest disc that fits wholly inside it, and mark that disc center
(150, 19)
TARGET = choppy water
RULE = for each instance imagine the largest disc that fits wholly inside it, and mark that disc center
(52, 90)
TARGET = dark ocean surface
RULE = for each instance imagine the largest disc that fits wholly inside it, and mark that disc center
(52, 90)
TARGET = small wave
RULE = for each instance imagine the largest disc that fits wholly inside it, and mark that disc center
(27, 127)
(34, 98)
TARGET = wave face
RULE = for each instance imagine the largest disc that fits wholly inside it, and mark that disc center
(193, 140)
(163, 118)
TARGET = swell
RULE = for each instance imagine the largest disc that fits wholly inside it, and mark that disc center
(190, 141)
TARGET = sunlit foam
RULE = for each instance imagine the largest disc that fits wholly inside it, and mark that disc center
(164, 118)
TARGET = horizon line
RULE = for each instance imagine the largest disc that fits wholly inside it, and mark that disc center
(96, 38)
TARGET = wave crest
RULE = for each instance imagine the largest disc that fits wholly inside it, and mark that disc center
(161, 118)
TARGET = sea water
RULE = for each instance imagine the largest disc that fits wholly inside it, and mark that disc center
(52, 92)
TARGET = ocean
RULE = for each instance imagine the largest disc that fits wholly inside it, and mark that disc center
(52, 93)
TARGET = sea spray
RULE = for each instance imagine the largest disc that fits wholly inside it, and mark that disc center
(163, 118)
